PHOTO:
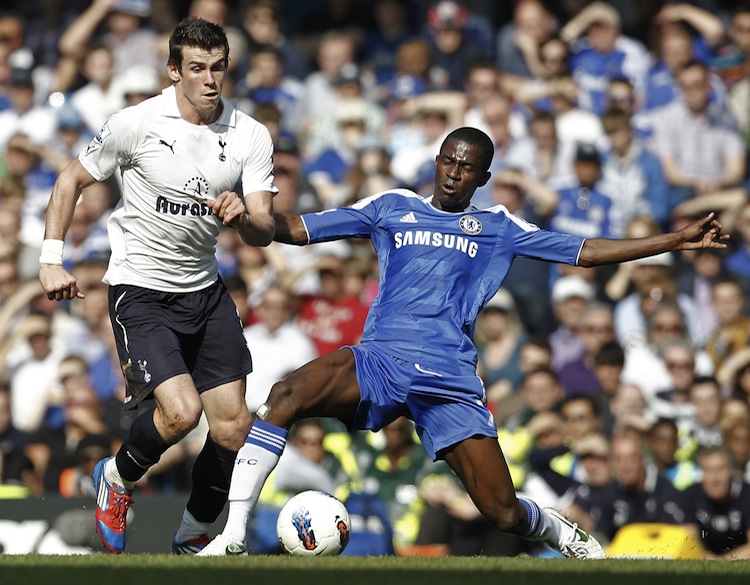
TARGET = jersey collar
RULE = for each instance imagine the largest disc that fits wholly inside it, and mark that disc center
(228, 115)
(469, 208)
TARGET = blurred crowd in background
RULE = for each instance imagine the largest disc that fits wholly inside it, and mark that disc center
(622, 394)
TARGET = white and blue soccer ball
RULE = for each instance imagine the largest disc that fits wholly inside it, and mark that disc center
(313, 523)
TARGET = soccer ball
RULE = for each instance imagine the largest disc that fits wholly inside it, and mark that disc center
(313, 523)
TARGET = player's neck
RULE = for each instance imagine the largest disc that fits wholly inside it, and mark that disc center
(197, 117)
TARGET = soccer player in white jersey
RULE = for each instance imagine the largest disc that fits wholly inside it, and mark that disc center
(441, 260)
(179, 339)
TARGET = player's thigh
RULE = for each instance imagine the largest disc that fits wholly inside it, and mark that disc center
(325, 387)
(480, 465)
(226, 412)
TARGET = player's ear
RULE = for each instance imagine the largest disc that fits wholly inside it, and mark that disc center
(486, 178)
(173, 72)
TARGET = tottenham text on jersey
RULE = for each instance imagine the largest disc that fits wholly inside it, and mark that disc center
(436, 240)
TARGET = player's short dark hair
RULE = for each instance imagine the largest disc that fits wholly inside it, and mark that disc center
(477, 138)
(196, 32)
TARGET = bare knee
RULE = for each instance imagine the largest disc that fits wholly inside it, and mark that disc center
(231, 433)
(178, 419)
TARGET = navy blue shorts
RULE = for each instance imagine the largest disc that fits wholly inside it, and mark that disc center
(160, 335)
(446, 408)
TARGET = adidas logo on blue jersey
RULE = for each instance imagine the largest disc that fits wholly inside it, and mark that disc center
(409, 218)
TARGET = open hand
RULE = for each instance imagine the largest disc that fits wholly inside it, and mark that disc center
(703, 233)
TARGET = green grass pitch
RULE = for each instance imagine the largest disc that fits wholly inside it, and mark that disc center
(134, 569)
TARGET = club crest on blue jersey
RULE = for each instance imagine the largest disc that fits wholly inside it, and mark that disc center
(470, 225)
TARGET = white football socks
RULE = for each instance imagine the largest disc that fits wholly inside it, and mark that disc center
(112, 475)
(255, 461)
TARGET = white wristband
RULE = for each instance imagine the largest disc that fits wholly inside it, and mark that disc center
(52, 252)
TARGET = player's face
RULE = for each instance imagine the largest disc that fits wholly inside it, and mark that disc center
(459, 170)
(199, 82)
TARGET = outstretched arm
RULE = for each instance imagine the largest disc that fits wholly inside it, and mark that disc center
(703, 233)
(290, 229)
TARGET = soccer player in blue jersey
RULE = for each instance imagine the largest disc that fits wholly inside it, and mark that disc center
(441, 260)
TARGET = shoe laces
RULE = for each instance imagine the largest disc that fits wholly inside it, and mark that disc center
(120, 505)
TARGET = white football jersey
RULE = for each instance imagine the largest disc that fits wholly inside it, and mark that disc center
(162, 236)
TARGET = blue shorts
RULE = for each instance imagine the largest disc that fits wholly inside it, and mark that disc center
(446, 408)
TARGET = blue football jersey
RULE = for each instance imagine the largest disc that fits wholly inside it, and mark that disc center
(437, 269)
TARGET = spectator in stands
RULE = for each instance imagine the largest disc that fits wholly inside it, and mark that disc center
(586, 202)
(540, 392)
(260, 21)
(353, 119)
(682, 32)
(413, 166)
(320, 97)
(662, 444)
(331, 319)
(13, 461)
(499, 337)
(452, 46)
(481, 81)
(33, 382)
(371, 171)
(124, 32)
(596, 328)
(699, 146)
(600, 53)
(38, 122)
(279, 345)
(102, 96)
(540, 154)
(719, 507)
(217, 11)
(573, 124)
(654, 281)
(76, 481)
(702, 430)
(393, 471)
(528, 279)
(639, 492)
(519, 43)
(53, 450)
(265, 83)
(570, 297)
(635, 172)
(732, 59)
(737, 442)
(732, 332)
(609, 363)
(628, 407)
(644, 364)
(678, 355)
(593, 453)
(393, 26)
